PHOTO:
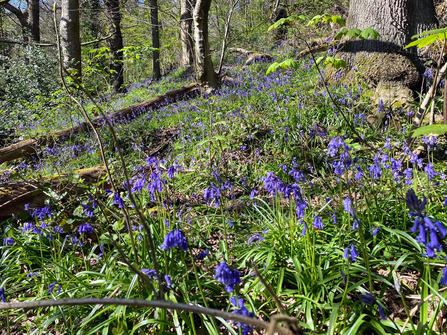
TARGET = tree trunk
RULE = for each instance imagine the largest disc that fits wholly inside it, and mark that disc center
(186, 32)
(32, 22)
(70, 39)
(155, 40)
(383, 62)
(29, 20)
(205, 75)
(116, 44)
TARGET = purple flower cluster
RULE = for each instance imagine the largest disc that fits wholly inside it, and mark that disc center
(241, 310)
(369, 299)
(227, 276)
(354, 254)
(175, 238)
(425, 225)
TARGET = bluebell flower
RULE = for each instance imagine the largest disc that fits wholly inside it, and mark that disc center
(382, 313)
(117, 200)
(354, 253)
(51, 287)
(241, 310)
(347, 204)
(374, 231)
(254, 238)
(2, 294)
(253, 193)
(203, 254)
(85, 228)
(318, 223)
(230, 223)
(59, 229)
(443, 280)
(152, 274)
(346, 253)
(175, 238)
(171, 171)
(8, 241)
(375, 170)
(367, 298)
(168, 280)
(303, 232)
(430, 171)
(227, 276)
(88, 211)
(212, 193)
(436, 230)
(138, 185)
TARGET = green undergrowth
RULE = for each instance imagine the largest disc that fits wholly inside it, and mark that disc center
(264, 174)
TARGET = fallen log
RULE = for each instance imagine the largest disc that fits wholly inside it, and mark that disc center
(29, 146)
(252, 56)
(14, 196)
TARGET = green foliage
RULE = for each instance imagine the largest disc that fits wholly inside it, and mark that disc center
(326, 18)
(357, 33)
(438, 129)
(433, 36)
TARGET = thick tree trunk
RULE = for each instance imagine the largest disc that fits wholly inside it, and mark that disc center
(116, 44)
(186, 7)
(32, 22)
(206, 77)
(155, 40)
(70, 39)
(384, 63)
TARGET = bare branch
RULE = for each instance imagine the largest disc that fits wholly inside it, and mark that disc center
(144, 303)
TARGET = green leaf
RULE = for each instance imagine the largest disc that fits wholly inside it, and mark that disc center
(338, 20)
(320, 59)
(289, 63)
(272, 68)
(431, 32)
(341, 33)
(438, 129)
(369, 33)
(423, 42)
(353, 33)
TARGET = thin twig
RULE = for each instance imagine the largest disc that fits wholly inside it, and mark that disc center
(144, 303)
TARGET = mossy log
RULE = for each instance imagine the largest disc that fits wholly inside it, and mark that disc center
(29, 146)
(14, 196)
(252, 56)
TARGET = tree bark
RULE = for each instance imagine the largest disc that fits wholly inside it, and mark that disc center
(186, 7)
(116, 46)
(155, 40)
(383, 62)
(70, 38)
(206, 77)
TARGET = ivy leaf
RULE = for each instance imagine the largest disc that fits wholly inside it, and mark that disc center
(369, 33)
(431, 129)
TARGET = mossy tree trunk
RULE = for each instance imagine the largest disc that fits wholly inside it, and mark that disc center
(206, 77)
(384, 62)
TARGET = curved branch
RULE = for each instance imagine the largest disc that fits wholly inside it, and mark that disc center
(144, 303)
(54, 44)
